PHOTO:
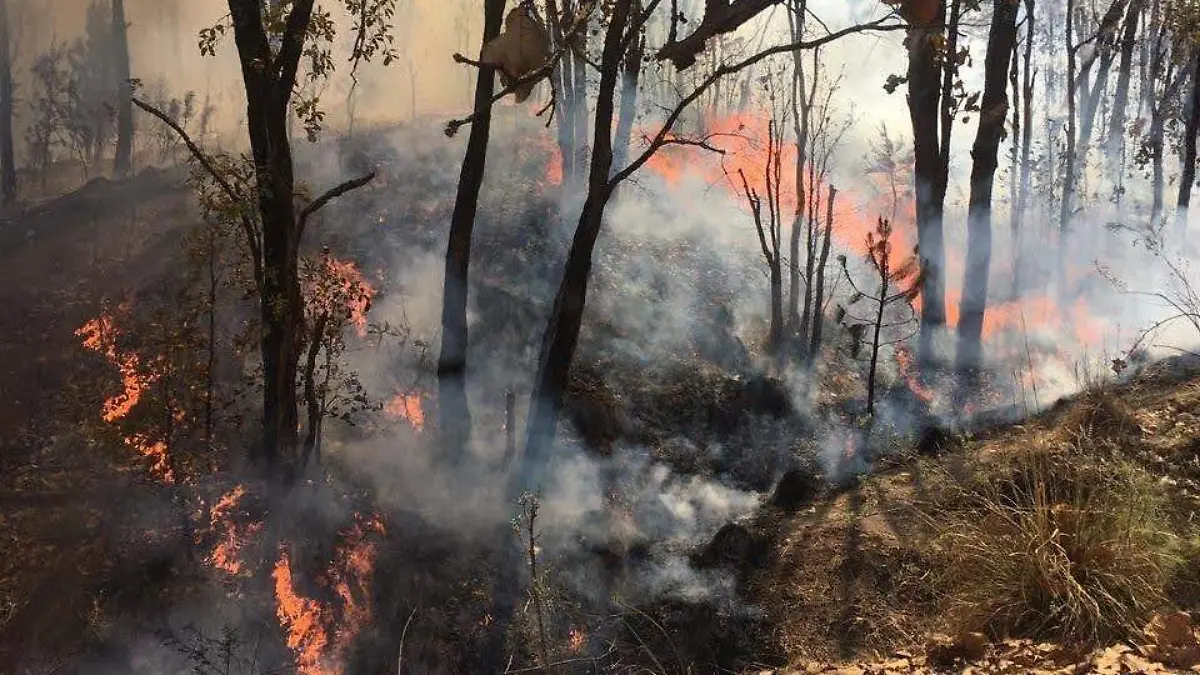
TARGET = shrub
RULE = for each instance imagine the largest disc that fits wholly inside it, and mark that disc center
(1057, 543)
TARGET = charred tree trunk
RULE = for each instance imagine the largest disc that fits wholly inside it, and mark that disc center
(1187, 175)
(924, 97)
(562, 332)
(1115, 143)
(454, 413)
(268, 92)
(8, 168)
(123, 163)
(994, 111)
(312, 402)
(630, 75)
(884, 287)
(1067, 204)
(800, 119)
(814, 346)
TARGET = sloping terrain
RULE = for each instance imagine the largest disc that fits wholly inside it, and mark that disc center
(852, 578)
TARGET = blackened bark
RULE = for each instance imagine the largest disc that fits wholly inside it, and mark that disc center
(630, 75)
(1067, 204)
(1115, 144)
(800, 119)
(8, 168)
(123, 162)
(1187, 175)
(312, 402)
(818, 317)
(885, 272)
(562, 332)
(268, 92)
(924, 96)
(454, 413)
(994, 111)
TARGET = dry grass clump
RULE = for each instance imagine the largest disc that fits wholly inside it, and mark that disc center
(1057, 543)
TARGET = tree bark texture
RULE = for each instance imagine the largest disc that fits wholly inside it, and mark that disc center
(123, 162)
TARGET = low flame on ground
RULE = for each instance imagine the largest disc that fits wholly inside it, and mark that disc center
(100, 335)
(156, 452)
(320, 635)
(231, 536)
(302, 619)
(908, 371)
(407, 407)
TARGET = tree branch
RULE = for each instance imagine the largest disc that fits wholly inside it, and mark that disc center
(292, 47)
(320, 202)
(235, 198)
(664, 131)
(719, 18)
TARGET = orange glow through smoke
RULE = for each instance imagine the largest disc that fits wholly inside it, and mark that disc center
(407, 407)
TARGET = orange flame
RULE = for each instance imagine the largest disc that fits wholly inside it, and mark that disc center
(156, 452)
(905, 362)
(302, 618)
(339, 288)
(308, 623)
(407, 407)
(232, 537)
(100, 335)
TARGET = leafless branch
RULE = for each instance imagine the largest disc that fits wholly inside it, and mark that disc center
(331, 195)
(880, 25)
(235, 198)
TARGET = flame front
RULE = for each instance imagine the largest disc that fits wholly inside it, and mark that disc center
(100, 335)
(407, 407)
(232, 537)
(303, 621)
(320, 635)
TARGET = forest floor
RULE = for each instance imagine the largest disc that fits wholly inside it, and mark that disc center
(850, 581)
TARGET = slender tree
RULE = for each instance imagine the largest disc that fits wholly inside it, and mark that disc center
(1002, 38)
(8, 169)
(123, 162)
(454, 413)
(1187, 174)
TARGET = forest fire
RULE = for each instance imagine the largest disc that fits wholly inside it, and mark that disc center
(156, 452)
(910, 375)
(407, 407)
(100, 335)
(320, 634)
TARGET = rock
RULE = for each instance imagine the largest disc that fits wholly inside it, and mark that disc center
(797, 489)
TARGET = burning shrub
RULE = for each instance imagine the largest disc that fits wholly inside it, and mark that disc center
(1057, 543)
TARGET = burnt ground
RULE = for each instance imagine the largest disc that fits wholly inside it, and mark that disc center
(63, 548)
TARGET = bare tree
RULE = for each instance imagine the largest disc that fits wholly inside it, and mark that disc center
(8, 169)
(770, 232)
(123, 162)
(899, 284)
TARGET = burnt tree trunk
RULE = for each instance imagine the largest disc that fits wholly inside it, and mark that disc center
(8, 167)
(814, 346)
(1187, 175)
(1002, 38)
(123, 163)
(562, 331)
(630, 75)
(454, 412)
(924, 97)
(1067, 204)
(800, 119)
(268, 91)
(1115, 143)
